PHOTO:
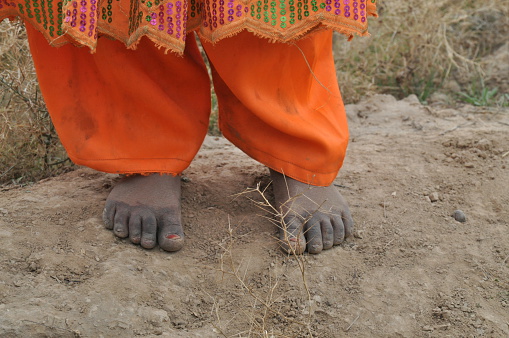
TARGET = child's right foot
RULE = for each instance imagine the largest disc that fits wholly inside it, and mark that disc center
(147, 210)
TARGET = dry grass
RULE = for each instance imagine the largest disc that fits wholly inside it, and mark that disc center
(260, 305)
(420, 47)
(417, 47)
(29, 146)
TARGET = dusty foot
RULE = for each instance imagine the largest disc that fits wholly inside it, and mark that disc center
(147, 210)
(316, 218)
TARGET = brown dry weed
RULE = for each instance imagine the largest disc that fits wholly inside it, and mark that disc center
(421, 47)
(29, 146)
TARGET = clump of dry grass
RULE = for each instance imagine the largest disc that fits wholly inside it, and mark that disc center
(419, 47)
(29, 146)
(265, 302)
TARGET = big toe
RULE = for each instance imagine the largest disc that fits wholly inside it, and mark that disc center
(171, 236)
(292, 239)
(109, 215)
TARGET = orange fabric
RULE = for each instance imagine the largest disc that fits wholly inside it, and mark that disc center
(142, 111)
(125, 111)
(166, 22)
(281, 103)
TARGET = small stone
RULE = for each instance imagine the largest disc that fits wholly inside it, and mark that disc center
(469, 165)
(33, 266)
(427, 328)
(446, 314)
(433, 197)
(459, 216)
(317, 298)
(358, 234)
(443, 326)
(437, 311)
(477, 324)
(123, 325)
(484, 144)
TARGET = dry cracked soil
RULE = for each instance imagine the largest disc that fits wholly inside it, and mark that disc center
(411, 270)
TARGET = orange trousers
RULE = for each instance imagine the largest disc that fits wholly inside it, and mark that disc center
(143, 111)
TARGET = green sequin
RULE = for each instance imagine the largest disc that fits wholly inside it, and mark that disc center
(149, 4)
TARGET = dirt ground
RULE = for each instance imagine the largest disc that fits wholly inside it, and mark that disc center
(411, 270)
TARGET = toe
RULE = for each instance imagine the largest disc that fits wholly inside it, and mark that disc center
(121, 223)
(313, 235)
(148, 230)
(339, 230)
(171, 234)
(327, 234)
(108, 215)
(348, 223)
(135, 223)
(291, 236)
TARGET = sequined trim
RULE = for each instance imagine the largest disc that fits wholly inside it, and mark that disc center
(167, 22)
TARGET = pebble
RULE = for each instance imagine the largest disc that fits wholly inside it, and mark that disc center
(427, 328)
(433, 197)
(459, 216)
(358, 234)
(443, 326)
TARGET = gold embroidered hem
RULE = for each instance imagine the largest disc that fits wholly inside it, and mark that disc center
(166, 22)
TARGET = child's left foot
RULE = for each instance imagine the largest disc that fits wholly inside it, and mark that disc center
(315, 218)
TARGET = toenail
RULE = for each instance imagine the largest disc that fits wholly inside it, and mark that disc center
(172, 236)
(293, 239)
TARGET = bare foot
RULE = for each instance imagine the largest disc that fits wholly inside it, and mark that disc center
(315, 218)
(147, 210)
